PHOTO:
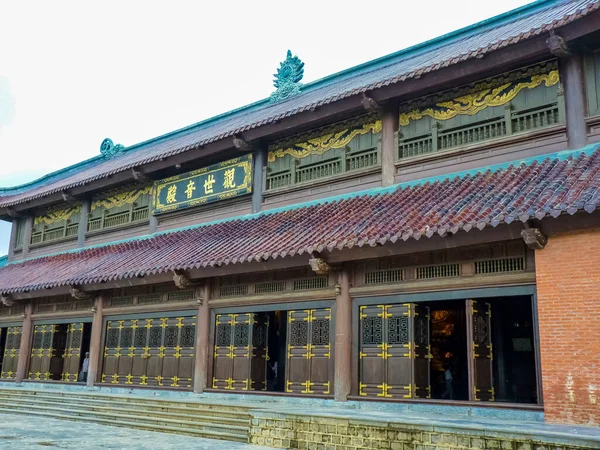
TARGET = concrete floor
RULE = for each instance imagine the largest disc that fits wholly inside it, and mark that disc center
(26, 433)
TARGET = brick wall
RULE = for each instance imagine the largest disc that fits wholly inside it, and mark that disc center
(568, 286)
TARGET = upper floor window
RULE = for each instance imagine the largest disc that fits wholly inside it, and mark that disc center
(57, 223)
(119, 207)
(19, 225)
(516, 102)
(348, 146)
(592, 81)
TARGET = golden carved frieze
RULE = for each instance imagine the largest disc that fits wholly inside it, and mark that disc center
(120, 199)
(483, 97)
(322, 143)
(57, 215)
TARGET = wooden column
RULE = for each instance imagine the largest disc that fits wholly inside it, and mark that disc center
(153, 224)
(95, 342)
(83, 222)
(389, 149)
(575, 105)
(257, 187)
(25, 347)
(343, 338)
(27, 235)
(202, 341)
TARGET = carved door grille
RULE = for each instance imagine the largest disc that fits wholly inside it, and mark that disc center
(11, 353)
(42, 352)
(72, 352)
(241, 351)
(309, 352)
(394, 351)
(157, 352)
(479, 315)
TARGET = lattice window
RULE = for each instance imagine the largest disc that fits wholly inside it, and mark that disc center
(38, 339)
(122, 301)
(149, 299)
(480, 330)
(180, 296)
(126, 337)
(171, 336)
(45, 308)
(320, 332)
(310, 283)
(223, 335)
(155, 337)
(398, 330)
(233, 291)
(187, 336)
(112, 337)
(500, 265)
(299, 334)
(372, 330)
(438, 271)
(47, 339)
(384, 276)
(259, 335)
(76, 339)
(141, 335)
(421, 330)
(240, 335)
(269, 286)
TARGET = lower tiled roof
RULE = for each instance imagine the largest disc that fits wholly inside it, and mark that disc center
(565, 182)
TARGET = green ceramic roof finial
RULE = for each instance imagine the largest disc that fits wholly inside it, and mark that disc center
(109, 150)
(287, 79)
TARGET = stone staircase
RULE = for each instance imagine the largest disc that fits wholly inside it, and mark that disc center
(167, 415)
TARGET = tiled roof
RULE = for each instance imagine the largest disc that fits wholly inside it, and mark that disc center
(474, 41)
(3, 261)
(565, 182)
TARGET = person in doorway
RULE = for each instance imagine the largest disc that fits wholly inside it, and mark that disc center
(448, 391)
(84, 368)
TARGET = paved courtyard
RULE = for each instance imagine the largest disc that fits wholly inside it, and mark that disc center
(28, 432)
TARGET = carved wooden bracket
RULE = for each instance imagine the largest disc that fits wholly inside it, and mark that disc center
(534, 239)
(11, 212)
(78, 294)
(319, 266)
(241, 144)
(181, 280)
(67, 197)
(138, 175)
(6, 300)
(557, 45)
(369, 103)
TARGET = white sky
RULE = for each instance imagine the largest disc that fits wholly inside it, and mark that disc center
(73, 72)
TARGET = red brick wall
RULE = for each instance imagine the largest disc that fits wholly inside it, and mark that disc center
(568, 286)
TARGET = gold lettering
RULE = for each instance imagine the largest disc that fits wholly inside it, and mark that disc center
(229, 182)
(191, 187)
(171, 193)
(208, 184)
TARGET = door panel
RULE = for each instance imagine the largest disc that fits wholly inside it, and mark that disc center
(42, 352)
(72, 352)
(242, 339)
(422, 353)
(260, 350)
(398, 351)
(298, 367)
(372, 357)
(11, 353)
(223, 354)
(479, 315)
(320, 351)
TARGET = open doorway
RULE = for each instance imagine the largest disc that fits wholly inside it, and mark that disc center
(277, 352)
(3, 333)
(449, 364)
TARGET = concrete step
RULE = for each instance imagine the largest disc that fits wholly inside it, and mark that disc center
(117, 417)
(221, 435)
(157, 407)
(209, 416)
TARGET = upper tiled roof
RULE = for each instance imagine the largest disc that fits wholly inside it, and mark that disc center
(565, 182)
(3, 261)
(476, 40)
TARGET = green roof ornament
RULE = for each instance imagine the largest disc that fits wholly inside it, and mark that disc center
(109, 150)
(287, 79)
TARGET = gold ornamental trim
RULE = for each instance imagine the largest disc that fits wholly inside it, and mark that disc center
(121, 199)
(324, 143)
(473, 103)
(57, 215)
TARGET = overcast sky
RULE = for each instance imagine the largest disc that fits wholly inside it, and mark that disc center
(73, 73)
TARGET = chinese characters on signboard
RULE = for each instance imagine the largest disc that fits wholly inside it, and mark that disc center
(209, 184)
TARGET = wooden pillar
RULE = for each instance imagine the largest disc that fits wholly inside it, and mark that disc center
(27, 235)
(343, 338)
(202, 341)
(95, 344)
(25, 347)
(389, 122)
(257, 188)
(83, 222)
(575, 105)
(153, 224)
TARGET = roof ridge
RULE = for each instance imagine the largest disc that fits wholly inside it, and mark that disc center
(559, 156)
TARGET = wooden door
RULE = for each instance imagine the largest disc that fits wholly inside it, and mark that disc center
(42, 352)
(372, 363)
(422, 353)
(72, 352)
(309, 352)
(12, 350)
(398, 351)
(223, 354)
(118, 359)
(479, 328)
(178, 351)
(259, 352)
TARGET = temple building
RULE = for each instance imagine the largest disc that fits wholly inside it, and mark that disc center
(421, 229)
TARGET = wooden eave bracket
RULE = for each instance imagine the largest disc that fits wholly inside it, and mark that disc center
(6, 300)
(66, 196)
(138, 175)
(241, 144)
(533, 238)
(78, 294)
(369, 103)
(558, 46)
(319, 266)
(11, 212)
(182, 280)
